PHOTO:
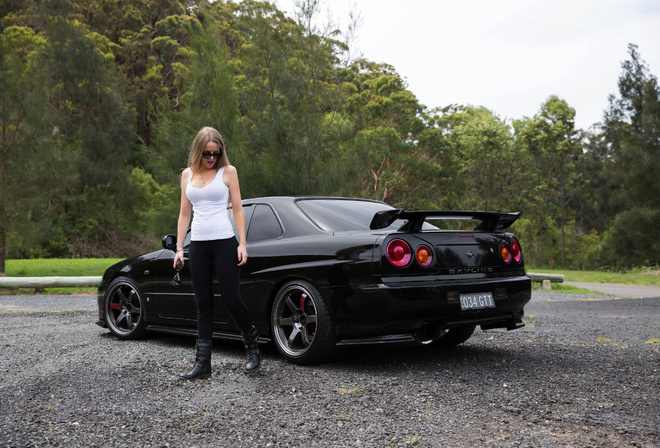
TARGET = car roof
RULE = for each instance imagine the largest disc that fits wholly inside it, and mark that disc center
(296, 198)
(294, 220)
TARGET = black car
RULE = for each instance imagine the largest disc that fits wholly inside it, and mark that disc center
(326, 271)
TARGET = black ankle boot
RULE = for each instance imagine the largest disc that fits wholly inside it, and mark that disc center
(252, 348)
(202, 367)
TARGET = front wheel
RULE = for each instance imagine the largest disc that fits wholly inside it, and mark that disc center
(124, 309)
(303, 328)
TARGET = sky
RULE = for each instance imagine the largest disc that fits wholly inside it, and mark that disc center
(509, 56)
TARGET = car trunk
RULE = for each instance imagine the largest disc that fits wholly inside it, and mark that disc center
(454, 252)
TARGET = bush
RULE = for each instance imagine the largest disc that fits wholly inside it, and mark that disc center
(629, 243)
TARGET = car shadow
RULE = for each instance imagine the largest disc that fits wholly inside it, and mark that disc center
(392, 357)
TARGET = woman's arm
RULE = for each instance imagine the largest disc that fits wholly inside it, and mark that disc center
(184, 218)
(230, 177)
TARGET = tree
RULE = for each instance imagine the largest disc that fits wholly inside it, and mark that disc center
(631, 131)
(487, 172)
(390, 123)
(95, 127)
(289, 101)
(552, 142)
(31, 161)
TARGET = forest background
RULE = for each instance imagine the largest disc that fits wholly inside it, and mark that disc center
(100, 100)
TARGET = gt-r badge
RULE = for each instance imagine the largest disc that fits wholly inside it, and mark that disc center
(470, 255)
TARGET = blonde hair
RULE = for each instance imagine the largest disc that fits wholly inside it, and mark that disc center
(205, 135)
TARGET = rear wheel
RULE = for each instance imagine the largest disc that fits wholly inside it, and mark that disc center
(453, 337)
(303, 328)
(124, 309)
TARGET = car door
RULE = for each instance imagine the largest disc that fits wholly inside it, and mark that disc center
(175, 298)
(264, 229)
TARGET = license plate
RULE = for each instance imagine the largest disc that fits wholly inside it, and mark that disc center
(477, 301)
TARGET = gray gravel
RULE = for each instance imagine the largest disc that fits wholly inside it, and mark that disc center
(581, 374)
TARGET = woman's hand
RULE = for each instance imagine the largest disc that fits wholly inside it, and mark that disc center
(178, 258)
(242, 254)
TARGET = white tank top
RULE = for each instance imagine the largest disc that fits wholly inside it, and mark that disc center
(210, 216)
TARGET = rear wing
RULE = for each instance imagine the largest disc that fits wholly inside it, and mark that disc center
(490, 221)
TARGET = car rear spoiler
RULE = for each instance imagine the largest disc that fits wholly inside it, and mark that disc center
(490, 221)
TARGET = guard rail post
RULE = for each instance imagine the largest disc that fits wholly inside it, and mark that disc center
(546, 280)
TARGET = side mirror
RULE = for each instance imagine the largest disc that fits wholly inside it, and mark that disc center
(169, 242)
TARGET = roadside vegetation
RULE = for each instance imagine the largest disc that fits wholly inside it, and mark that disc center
(637, 276)
(302, 113)
(59, 267)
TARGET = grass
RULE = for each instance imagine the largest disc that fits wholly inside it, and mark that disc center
(560, 287)
(412, 440)
(58, 267)
(639, 276)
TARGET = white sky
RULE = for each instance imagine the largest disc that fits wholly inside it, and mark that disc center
(507, 55)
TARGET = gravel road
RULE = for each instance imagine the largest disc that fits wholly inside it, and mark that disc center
(585, 372)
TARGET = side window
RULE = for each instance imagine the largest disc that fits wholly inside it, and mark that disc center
(263, 225)
(247, 212)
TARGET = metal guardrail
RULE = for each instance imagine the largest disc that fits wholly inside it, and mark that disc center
(553, 278)
(92, 281)
(49, 282)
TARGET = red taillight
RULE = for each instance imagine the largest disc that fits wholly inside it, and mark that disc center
(515, 250)
(424, 255)
(505, 252)
(399, 253)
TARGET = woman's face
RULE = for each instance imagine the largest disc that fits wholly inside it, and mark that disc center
(210, 154)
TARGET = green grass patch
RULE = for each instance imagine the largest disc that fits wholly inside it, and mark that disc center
(33, 291)
(569, 289)
(639, 276)
(58, 267)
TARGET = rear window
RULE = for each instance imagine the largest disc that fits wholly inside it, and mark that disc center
(342, 215)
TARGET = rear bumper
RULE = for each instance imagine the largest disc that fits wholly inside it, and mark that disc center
(405, 306)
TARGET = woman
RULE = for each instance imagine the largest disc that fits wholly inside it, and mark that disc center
(207, 185)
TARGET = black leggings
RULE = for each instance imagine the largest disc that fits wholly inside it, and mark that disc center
(219, 256)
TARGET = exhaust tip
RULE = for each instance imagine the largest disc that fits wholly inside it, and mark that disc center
(428, 333)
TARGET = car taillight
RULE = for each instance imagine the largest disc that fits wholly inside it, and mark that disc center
(505, 252)
(424, 255)
(515, 250)
(399, 253)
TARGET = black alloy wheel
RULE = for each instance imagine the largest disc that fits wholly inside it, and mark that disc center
(303, 328)
(124, 309)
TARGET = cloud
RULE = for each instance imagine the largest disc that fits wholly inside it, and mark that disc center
(508, 56)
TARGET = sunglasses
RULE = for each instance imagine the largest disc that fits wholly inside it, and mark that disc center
(208, 155)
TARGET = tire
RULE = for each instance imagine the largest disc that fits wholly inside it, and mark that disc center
(303, 328)
(124, 309)
(453, 337)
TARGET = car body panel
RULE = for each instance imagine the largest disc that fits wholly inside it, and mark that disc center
(367, 296)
